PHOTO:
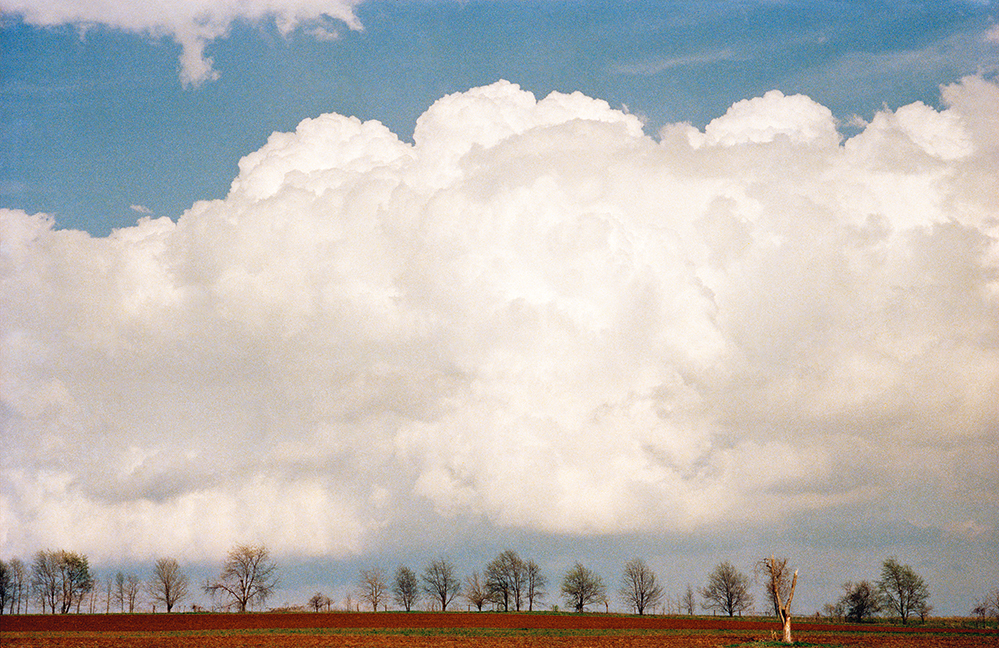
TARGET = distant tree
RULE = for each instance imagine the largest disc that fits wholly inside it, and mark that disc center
(374, 589)
(168, 585)
(60, 579)
(687, 602)
(406, 588)
(582, 587)
(987, 607)
(903, 591)
(319, 601)
(45, 579)
(780, 592)
(639, 587)
(440, 582)
(133, 585)
(536, 583)
(6, 591)
(727, 590)
(119, 597)
(506, 578)
(248, 577)
(18, 585)
(475, 591)
(860, 601)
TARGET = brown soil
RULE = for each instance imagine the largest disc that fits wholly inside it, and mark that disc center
(451, 630)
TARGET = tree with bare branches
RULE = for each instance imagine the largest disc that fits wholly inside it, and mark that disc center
(248, 577)
(440, 582)
(475, 591)
(582, 587)
(536, 583)
(779, 590)
(687, 602)
(639, 587)
(374, 589)
(727, 590)
(168, 585)
(406, 588)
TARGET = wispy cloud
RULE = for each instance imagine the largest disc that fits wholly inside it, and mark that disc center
(141, 209)
(658, 65)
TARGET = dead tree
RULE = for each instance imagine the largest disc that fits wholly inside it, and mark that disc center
(776, 571)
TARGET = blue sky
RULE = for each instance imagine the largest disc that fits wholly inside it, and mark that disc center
(96, 121)
(372, 282)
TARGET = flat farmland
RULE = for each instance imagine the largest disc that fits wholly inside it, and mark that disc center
(455, 629)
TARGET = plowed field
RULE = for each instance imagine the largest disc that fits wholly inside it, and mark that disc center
(457, 630)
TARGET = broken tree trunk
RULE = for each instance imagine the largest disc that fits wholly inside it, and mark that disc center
(785, 609)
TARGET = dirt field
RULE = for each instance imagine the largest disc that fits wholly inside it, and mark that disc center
(457, 630)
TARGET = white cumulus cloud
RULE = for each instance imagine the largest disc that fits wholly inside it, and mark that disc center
(193, 24)
(536, 314)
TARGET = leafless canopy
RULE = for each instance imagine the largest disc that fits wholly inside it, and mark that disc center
(168, 584)
(374, 589)
(440, 582)
(406, 588)
(639, 587)
(475, 591)
(582, 587)
(727, 590)
(248, 577)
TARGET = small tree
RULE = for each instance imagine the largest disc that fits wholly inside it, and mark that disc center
(860, 601)
(374, 589)
(727, 590)
(6, 590)
(133, 585)
(536, 583)
(687, 602)
(168, 585)
(582, 587)
(406, 588)
(639, 587)
(440, 582)
(902, 590)
(248, 577)
(475, 591)
(319, 601)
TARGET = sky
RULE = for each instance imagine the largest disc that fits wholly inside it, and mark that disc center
(372, 283)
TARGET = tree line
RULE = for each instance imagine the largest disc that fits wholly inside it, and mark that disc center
(60, 582)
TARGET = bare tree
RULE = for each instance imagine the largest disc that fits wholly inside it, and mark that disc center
(506, 577)
(440, 582)
(6, 591)
(582, 587)
(475, 591)
(45, 579)
(168, 585)
(248, 577)
(61, 579)
(639, 587)
(406, 588)
(374, 589)
(902, 590)
(780, 592)
(536, 583)
(133, 585)
(319, 601)
(687, 602)
(18, 585)
(727, 590)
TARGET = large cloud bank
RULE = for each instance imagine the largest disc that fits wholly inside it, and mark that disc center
(193, 24)
(536, 315)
